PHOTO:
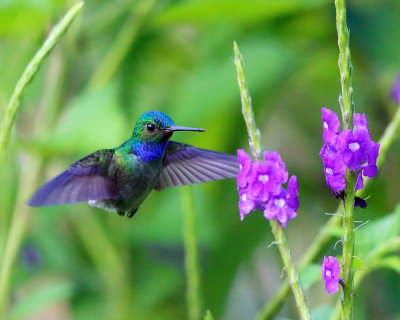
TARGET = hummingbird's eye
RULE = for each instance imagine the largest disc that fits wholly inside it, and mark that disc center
(150, 127)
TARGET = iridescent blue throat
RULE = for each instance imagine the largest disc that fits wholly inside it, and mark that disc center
(149, 151)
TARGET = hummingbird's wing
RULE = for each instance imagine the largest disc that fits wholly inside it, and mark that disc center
(84, 180)
(184, 164)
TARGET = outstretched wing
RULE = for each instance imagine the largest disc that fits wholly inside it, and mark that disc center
(184, 164)
(85, 180)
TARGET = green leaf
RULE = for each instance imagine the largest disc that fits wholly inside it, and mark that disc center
(377, 232)
(93, 120)
(309, 275)
(208, 315)
(239, 11)
(43, 295)
(321, 312)
(391, 262)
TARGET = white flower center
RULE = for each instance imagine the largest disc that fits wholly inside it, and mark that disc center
(240, 166)
(328, 273)
(329, 171)
(354, 146)
(263, 178)
(326, 125)
(279, 203)
(244, 197)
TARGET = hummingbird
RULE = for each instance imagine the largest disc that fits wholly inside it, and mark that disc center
(119, 179)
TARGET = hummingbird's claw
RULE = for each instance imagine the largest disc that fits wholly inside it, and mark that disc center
(121, 213)
(132, 213)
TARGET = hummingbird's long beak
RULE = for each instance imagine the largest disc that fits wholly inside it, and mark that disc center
(179, 128)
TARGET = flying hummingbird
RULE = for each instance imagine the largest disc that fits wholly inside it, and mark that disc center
(120, 179)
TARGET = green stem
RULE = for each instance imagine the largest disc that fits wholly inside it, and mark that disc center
(255, 145)
(30, 71)
(323, 237)
(347, 106)
(123, 42)
(345, 66)
(293, 278)
(191, 256)
(348, 245)
(28, 178)
(110, 267)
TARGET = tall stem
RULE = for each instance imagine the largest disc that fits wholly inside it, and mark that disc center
(347, 106)
(255, 145)
(345, 66)
(324, 236)
(191, 256)
(348, 245)
(290, 270)
(21, 213)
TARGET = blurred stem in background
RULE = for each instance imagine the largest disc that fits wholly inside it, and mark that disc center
(255, 145)
(107, 260)
(347, 107)
(123, 42)
(191, 256)
(30, 71)
(31, 166)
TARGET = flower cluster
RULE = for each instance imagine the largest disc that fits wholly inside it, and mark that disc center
(330, 273)
(260, 187)
(353, 149)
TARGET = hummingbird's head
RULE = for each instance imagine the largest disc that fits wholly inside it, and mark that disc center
(156, 126)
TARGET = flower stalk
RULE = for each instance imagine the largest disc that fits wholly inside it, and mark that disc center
(347, 106)
(191, 256)
(345, 66)
(255, 145)
(324, 236)
(348, 245)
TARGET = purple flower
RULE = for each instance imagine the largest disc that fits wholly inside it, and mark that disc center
(246, 203)
(245, 167)
(353, 147)
(261, 188)
(360, 122)
(266, 180)
(331, 124)
(276, 158)
(330, 273)
(395, 93)
(334, 169)
(283, 206)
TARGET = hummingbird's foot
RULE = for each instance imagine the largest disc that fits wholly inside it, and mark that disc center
(132, 213)
(121, 213)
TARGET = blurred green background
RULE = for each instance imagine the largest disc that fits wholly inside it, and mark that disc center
(121, 58)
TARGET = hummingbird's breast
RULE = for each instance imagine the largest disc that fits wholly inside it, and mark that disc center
(135, 179)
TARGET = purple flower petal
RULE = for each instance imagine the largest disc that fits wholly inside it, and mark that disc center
(330, 273)
(332, 286)
(293, 193)
(334, 169)
(353, 147)
(360, 181)
(245, 168)
(395, 93)
(330, 122)
(371, 169)
(280, 206)
(246, 203)
(266, 180)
